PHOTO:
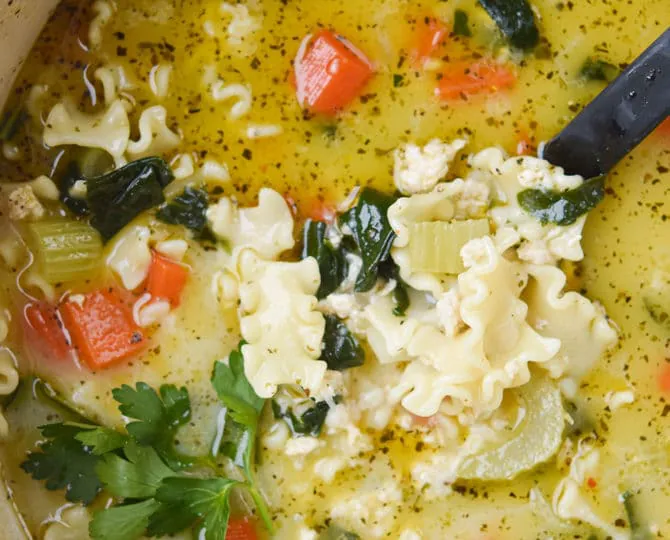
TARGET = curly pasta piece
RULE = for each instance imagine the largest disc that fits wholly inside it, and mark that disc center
(109, 131)
(280, 323)
(114, 81)
(159, 80)
(155, 136)
(9, 378)
(240, 92)
(267, 228)
(582, 327)
(130, 257)
(242, 26)
(104, 10)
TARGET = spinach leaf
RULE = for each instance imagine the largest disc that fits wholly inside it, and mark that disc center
(12, 121)
(563, 208)
(341, 350)
(389, 270)
(461, 27)
(594, 69)
(116, 198)
(188, 209)
(638, 530)
(372, 232)
(332, 262)
(515, 19)
(310, 419)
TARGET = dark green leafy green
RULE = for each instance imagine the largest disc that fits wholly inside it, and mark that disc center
(563, 208)
(126, 522)
(594, 69)
(137, 476)
(340, 350)
(308, 422)
(372, 233)
(638, 530)
(389, 270)
(516, 21)
(188, 209)
(461, 26)
(157, 418)
(11, 122)
(65, 463)
(116, 198)
(332, 262)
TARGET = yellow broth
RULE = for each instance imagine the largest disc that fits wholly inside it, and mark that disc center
(315, 158)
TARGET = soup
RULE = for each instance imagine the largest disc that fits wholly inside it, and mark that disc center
(278, 269)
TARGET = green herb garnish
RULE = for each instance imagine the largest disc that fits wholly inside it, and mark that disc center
(516, 21)
(461, 27)
(565, 207)
(595, 69)
(188, 209)
(341, 350)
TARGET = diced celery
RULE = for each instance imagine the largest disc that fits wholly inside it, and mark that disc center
(435, 246)
(535, 441)
(65, 250)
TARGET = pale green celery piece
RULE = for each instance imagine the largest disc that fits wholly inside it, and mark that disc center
(535, 441)
(656, 297)
(65, 250)
(435, 246)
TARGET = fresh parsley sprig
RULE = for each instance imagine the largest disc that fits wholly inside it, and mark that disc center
(159, 491)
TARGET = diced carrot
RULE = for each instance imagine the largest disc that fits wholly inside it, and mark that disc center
(664, 379)
(319, 210)
(464, 80)
(166, 278)
(101, 327)
(591, 482)
(430, 37)
(240, 529)
(44, 331)
(663, 130)
(330, 73)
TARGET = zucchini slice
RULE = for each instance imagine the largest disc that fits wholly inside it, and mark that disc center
(536, 440)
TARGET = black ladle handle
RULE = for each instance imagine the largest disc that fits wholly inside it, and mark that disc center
(619, 118)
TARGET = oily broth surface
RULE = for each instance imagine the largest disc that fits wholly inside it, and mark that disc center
(624, 238)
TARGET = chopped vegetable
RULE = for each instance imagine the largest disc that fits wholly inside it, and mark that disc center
(664, 379)
(516, 21)
(101, 328)
(436, 246)
(65, 250)
(166, 278)
(84, 163)
(656, 297)
(188, 209)
(638, 531)
(319, 210)
(65, 463)
(332, 262)
(156, 418)
(341, 350)
(303, 418)
(241, 529)
(44, 331)
(461, 81)
(116, 198)
(390, 270)
(431, 35)
(370, 228)
(333, 532)
(595, 69)
(563, 208)
(127, 522)
(461, 27)
(536, 440)
(330, 73)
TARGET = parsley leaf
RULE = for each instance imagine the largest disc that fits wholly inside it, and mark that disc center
(136, 477)
(65, 463)
(235, 392)
(100, 440)
(157, 418)
(125, 522)
(183, 501)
